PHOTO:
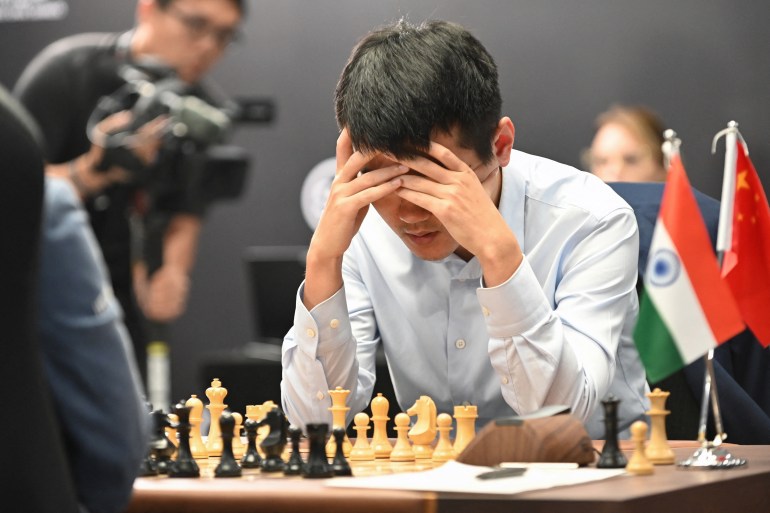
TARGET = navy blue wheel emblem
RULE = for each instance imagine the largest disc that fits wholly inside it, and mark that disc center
(664, 268)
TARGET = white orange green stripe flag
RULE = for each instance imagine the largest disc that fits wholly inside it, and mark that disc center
(686, 308)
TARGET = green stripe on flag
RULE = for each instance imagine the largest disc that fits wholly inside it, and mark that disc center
(656, 346)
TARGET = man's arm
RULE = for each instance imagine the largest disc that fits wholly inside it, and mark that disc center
(88, 357)
(167, 289)
(319, 352)
(563, 350)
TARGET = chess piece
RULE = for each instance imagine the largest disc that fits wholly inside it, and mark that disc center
(251, 459)
(160, 446)
(339, 413)
(317, 464)
(611, 456)
(340, 465)
(444, 450)
(361, 450)
(216, 394)
(275, 441)
(380, 441)
(264, 429)
(184, 465)
(238, 447)
(402, 451)
(423, 432)
(295, 463)
(148, 467)
(197, 447)
(465, 416)
(228, 466)
(171, 430)
(638, 464)
(658, 450)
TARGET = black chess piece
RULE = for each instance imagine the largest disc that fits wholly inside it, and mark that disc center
(251, 459)
(340, 465)
(184, 465)
(612, 456)
(160, 446)
(275, 441)
(148, 467)
(295, 463)
(228, 466)
(317, 464)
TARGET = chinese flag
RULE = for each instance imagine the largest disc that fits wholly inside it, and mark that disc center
(746, 267)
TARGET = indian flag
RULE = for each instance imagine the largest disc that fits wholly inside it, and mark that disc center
(686, 308)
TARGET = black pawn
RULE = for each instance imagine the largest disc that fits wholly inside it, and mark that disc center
(228, 466)
(340, 465)
(184, 465)
(295, 463)
(317, 464)
(251, 459)
(612, 456)
(160, 446)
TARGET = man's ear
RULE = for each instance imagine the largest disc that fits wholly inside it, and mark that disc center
(502, 142)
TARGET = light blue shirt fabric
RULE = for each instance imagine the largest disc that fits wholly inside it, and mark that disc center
(557, 332)
(88, 359)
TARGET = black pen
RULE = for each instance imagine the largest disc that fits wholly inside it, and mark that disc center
(502, 472)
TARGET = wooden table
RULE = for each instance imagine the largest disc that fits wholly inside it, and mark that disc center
(669, 489)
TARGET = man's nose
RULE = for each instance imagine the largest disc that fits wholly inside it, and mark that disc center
(410, 213)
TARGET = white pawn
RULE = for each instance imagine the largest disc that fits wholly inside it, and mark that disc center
(402, 451)
(238, 447)
(443, 450)
(638, 463)
(197, 447)
(361, 450)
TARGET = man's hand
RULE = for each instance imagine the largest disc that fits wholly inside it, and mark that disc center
(462, 200)
(349, 198)
(164, 297)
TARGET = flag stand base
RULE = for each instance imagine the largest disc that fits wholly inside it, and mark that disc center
(711, 457)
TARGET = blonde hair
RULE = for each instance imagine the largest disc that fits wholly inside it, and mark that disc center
(642, 122)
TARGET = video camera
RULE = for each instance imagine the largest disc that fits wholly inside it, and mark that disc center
(194, 128)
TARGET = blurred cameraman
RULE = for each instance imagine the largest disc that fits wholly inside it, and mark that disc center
(62, 86)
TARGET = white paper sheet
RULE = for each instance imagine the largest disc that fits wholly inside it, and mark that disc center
(461, 478)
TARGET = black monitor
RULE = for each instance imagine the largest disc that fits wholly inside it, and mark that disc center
(274, 274)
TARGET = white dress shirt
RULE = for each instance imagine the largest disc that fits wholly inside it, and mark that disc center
(557, 332)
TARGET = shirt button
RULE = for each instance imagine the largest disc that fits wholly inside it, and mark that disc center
(334, 323)
(504, 380)
(485, 310)
(320, 395)
(310, 332)
(460, 344)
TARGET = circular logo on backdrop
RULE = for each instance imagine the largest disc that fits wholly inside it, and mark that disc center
(664, 268)
(315, 190)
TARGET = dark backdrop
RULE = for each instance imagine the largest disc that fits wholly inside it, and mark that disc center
(699, 64)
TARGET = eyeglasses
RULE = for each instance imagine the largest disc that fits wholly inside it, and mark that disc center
(200, 27)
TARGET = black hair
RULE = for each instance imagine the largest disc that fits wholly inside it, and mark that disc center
(240, 4)
(402, 82)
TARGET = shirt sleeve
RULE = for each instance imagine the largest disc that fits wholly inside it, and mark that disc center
(563, 351)
(320, 353)
(88, 357)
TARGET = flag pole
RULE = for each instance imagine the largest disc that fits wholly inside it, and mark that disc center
(710, 454)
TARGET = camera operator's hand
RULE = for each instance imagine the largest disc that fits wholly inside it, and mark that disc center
(82, 171)
(163, 297)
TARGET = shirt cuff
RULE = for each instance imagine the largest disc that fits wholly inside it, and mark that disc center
(516, 305)
(324, 328)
